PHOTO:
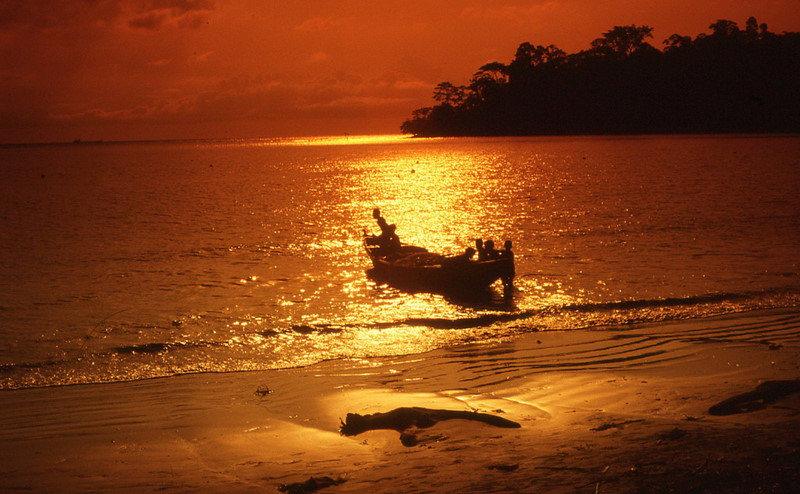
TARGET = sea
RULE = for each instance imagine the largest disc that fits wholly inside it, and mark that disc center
(124, 261)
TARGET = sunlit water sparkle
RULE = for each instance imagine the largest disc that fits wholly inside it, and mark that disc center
(136, 260)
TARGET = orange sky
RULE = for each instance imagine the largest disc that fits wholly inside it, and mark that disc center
(151, 69)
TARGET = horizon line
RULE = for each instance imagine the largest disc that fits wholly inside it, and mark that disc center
(277, 140)
(345, 139)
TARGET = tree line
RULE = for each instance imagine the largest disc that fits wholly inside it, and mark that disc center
(728, 80)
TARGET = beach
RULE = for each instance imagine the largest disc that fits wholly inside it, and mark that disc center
(198, 316)
(248, 264)
(605, 428)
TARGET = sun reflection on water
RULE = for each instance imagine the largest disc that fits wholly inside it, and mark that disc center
(335, 140)
(434, 198)
(251, 254)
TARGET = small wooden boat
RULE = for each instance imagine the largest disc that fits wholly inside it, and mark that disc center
(409, 266)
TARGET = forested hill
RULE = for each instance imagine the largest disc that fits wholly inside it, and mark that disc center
(729, 80)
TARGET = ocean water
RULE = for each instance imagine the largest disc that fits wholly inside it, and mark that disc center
(124, 261)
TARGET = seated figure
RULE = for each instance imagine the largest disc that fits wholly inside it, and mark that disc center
(489, 250)
(468, 254)
(388, 238)
(480, 250)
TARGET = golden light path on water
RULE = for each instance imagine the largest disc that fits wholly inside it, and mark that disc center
(443, 198)
(229, 255)
(437, 197)
(440, 197)
(334, 140)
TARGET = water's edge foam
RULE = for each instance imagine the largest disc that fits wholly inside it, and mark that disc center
(169, 358)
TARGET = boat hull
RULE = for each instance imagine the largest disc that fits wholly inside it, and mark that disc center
(451, 274)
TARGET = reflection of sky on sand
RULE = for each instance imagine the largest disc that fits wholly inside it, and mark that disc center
(550, 380)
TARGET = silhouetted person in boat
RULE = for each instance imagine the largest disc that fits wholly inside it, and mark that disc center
(388, 238)
(489, 250)
(469, 252)
(480, 250)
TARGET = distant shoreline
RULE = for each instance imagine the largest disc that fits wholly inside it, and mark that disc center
(293, 140)
(731, 81)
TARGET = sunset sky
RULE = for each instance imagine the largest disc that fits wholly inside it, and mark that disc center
(157, 69)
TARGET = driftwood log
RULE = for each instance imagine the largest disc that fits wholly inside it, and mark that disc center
(404, 418)
(310, 485)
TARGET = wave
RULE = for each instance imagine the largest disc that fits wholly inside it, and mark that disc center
(660, 302)
(317, 328)
(716, 303)
(297, 345)
(156, 347)
(152, 348)
(637, 346)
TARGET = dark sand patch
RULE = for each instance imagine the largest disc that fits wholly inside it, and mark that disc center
(765, 393)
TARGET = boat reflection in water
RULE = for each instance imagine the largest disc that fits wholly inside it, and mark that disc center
(414, 268)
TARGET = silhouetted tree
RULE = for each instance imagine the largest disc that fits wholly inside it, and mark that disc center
(448, 94)
(751, 29)
(677, 42)
(493, 70)
(529, 56)
(724, 28)
(622, 40)
(422, 112)
(487, 81)
(727, 81)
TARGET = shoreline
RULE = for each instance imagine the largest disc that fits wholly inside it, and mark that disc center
(608, 425)
(291, 139)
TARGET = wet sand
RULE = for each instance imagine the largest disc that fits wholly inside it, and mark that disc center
(607, 426)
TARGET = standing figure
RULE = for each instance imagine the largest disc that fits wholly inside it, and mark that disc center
(388, 238)
(508, 276)
(507, 252)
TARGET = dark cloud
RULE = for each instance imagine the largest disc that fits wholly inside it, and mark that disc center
(54, 14)
(125, 68)
(241, 99)
(150, 20)
(156, 14)
(182, 6)
(89, 14)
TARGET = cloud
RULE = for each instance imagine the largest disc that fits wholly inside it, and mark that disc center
(55, 14)
(150, 20)
(412, 84)
(241, 98)
(319, 56)
(139, 66)
(513, 13)
(316, 24)
(201, 57)
(183, 5)
(400, 81)
(356, 106)
(82, 15)
(230, 100)
(155, 14)
(99, 115)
